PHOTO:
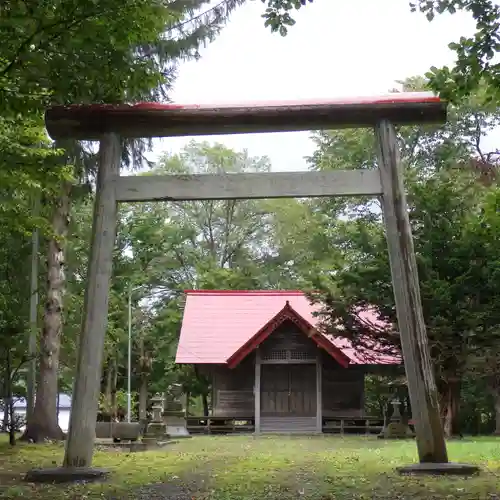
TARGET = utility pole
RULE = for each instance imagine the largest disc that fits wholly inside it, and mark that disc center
(31, 381)
(129, 371)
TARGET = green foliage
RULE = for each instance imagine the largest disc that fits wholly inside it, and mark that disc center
(79, 52)
(453, 198)
(200, 238)
(121, 401)
(458, 282)
(29, 169)
(477, 412)
(106, 51)
(475, 65)
(277, 14)
(163, 249)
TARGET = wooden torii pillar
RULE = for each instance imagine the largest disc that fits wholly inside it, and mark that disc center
(107, 123)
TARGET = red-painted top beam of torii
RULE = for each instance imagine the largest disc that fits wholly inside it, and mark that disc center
(90, 122)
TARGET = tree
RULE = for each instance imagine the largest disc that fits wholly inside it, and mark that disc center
(174, 246)
(474, 67)
(138, 42)
(201, 238)
(485, 363)
(277, 14)
(446, 203)
(120, 51)
(27, 172)
(14, 288)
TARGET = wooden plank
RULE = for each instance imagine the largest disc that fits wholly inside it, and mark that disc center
(235, 402)
(288, 424)
(81, 434)
(235, 397)
(419, 372)
(247, 185)
(89, 122)
(257, 391)
(302, 389)
(240, 380)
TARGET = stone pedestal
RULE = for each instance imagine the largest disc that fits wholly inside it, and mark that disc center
(396, 415)
(396, 429)
(174, 419)
(157, 430)
(158, 407)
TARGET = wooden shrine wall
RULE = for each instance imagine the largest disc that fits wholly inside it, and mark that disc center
(233, 394)
(342, 388)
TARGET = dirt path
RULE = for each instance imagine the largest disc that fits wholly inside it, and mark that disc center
(161, 491)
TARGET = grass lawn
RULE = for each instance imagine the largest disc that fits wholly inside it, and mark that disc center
(244, 467)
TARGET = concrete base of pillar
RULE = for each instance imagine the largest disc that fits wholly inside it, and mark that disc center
(440, 469)
(65, 475)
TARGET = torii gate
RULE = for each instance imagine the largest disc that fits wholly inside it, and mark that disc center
(107, 123)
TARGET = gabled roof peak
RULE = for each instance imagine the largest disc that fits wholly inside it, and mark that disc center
(288, 313)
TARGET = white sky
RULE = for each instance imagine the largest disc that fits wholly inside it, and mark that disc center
(336, 49)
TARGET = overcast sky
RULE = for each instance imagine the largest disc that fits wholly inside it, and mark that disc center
(336, 49)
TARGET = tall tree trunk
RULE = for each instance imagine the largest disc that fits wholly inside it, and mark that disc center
(145, 368)
(450, 407)
(108, 389)
(44, 424)
(143, 396)
(497, 411)
(493, 381)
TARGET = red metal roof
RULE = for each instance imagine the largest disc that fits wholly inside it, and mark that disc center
(219, 323)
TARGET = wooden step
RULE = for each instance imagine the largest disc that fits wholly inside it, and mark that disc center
(288, 425)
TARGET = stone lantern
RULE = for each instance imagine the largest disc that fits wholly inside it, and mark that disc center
(173, 415)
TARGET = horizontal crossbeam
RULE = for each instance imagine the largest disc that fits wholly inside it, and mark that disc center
(90, 122)
(247, 185)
